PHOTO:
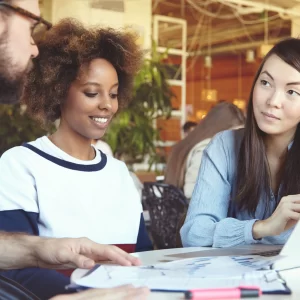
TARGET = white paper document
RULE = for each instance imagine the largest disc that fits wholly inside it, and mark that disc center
(185, 274)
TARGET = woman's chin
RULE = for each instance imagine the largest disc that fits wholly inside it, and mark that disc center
(269, 128)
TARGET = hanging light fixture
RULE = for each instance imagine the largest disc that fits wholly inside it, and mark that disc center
(207, 61)
(200, 114)
(239, 102)
(208, 94)
(250, 56)
(266, 47)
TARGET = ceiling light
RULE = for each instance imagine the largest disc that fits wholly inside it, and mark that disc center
(207, 61)
(250, 56)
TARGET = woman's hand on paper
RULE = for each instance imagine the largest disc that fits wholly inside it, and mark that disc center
(80, 253)
(286, 215)
(119, 293)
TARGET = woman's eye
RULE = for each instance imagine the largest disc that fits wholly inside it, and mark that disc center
(114, 96)
(265, 82)
(91, 95)
(293, 93)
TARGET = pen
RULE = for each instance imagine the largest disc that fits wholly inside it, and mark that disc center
(224, 293)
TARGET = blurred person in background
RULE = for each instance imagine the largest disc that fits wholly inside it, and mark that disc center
(222, 117)
(185, 158)
(188, 127)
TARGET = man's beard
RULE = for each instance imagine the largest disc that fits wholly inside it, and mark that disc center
(11, 79)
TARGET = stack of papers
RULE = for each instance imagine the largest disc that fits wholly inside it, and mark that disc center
(192, 273)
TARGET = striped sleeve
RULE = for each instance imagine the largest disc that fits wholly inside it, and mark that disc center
(18, 198)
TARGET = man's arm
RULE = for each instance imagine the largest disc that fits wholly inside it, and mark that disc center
(18, 251)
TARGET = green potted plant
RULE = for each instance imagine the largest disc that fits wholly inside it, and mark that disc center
(132, 134)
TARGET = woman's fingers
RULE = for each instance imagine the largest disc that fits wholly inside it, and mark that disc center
(293, 215)
(295, 207)
(291, 198)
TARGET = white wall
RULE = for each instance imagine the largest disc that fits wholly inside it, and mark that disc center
(78, 9)
(106, 18)
(137, 15)
(81, 10)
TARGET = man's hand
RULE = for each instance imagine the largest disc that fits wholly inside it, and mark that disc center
(81, 253)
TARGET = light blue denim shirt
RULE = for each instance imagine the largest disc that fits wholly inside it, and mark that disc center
(210, 220)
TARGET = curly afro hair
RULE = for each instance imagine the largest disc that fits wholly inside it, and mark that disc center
(63, 50)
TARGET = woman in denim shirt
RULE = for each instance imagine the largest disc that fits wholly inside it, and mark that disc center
(248, 184)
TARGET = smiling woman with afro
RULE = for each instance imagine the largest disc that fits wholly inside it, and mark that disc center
(61, 185)
(67, 47)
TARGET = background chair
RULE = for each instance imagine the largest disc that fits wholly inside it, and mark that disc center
(11, 290)
(166, 205)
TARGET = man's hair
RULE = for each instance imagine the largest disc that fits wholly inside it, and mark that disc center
(64, 49)
(188, 125)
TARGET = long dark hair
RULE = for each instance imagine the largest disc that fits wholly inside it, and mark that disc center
(253, 173)
(221, 117)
